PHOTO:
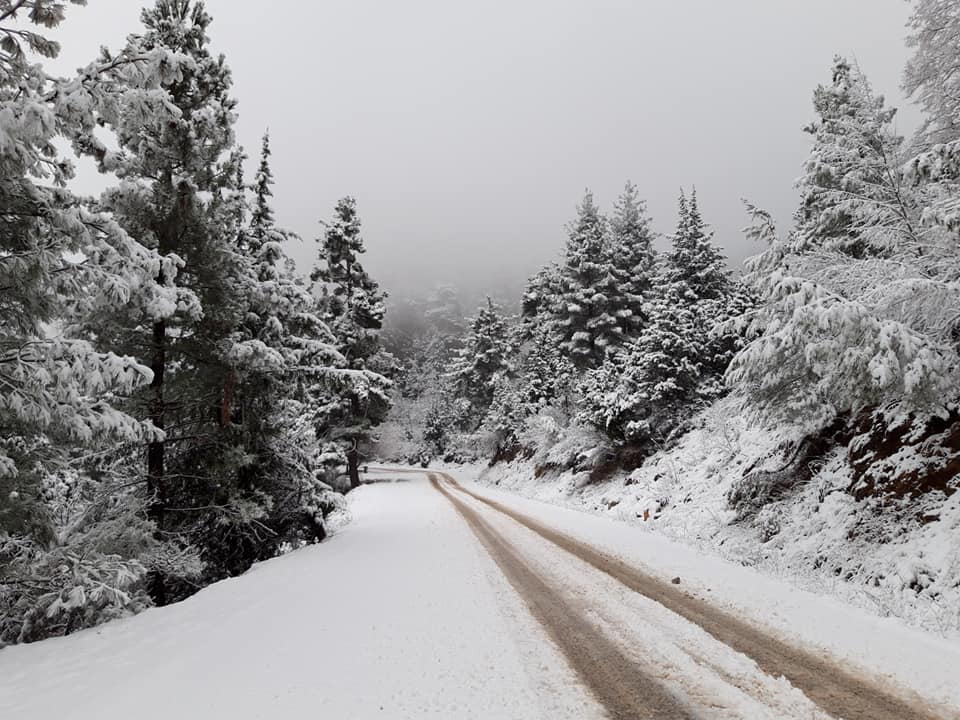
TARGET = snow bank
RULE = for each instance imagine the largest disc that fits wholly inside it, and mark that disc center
(819, 538)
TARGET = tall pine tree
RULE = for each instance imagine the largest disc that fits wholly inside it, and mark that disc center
(588, 311)
(633, 256)
(854, 199)
(352, 402)
(178, 192)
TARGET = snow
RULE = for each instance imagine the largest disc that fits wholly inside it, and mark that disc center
(711, 678)
(881, 646)
(403, 614)
(399, 615)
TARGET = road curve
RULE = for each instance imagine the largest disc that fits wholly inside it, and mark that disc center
(613, 678)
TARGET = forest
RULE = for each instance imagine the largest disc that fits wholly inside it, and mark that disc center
(179, 400)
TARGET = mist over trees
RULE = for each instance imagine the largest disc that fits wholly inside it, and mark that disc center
(841, 335)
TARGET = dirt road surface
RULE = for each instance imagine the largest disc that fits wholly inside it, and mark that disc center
(700, 678)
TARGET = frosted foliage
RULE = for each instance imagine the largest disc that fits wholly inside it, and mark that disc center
(861, 305)
(61, 262)
(854, 198)
(479, 365)
(588, 303)
(837, 334)
(930, 75)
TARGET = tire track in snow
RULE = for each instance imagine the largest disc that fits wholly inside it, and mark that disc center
(716, 682)
(618, 683)
(831, 686)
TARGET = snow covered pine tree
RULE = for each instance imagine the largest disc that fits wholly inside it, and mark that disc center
(352, 401)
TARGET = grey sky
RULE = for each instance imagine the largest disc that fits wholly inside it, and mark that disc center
(468, 131)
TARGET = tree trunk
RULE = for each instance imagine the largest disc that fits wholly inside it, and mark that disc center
(353, 466)
(229, 392)
(156, 451)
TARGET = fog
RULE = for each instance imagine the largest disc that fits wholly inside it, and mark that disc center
(469, 131)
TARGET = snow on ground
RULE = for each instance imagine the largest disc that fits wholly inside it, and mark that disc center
(400, 615)
(884, 647)
(711, 679)
(804, 539)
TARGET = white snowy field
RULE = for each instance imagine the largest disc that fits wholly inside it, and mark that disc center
(405, 614)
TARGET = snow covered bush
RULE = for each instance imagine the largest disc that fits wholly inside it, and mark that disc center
(90, 566)
(46, 592)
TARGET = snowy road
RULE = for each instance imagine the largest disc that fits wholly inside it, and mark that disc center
(445, 601)
(647, 649)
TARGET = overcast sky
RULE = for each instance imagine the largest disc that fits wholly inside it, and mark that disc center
(469, 130)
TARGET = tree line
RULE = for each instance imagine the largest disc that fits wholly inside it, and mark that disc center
(176, 402)
(850, 317)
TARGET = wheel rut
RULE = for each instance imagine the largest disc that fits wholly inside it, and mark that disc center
(834, 688)
(618, 683)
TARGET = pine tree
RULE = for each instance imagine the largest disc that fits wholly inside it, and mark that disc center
(483, 359)
(642, 392)
(930, 75)
(541, 302)
(931, 79)
(633, 257)
(62, 263)
(853, 196)
(281, 345)
(262, 221)
(178, 190)
(356, 400)
(639, 393)
(589, 311)
(842, 335)
(694, 262)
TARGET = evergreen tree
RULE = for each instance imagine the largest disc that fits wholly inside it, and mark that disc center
(349, 404)
(178, 191)
(62, 263)
(931, 79)
(830, 338)
(633, 257)
(540, 306)
(262, 221)
(637, 394)
(280, 345)
(642, 392)
(547, 378)
(483, 359)
(853, 197)
(695, 265)
(930, 75)
(589, 311)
